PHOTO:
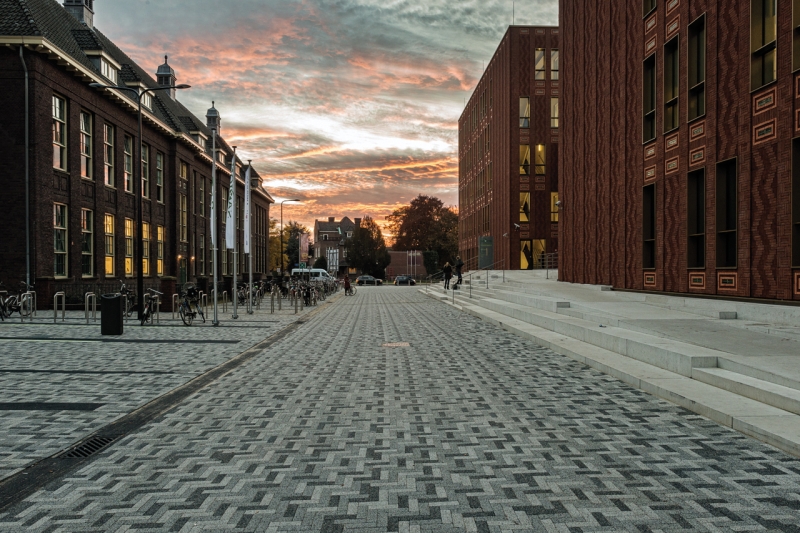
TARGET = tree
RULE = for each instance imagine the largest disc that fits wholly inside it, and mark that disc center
(275, 246)
(366, 249)
(427, 225)
(291, 243)
(321, 262)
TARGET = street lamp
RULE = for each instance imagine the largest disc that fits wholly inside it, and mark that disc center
(283, 272)
(137, 180)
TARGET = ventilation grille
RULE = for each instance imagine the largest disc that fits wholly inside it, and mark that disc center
(89, 448)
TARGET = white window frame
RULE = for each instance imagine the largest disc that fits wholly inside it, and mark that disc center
(61, 229)
(146, 248)
(59, 113)
(108, 230)
(108, 155)
(87, 243)
(145, 171)
(128, 164)
(160, 177)
(108, 70)
(129, 232)
(159, 250)
(85, 124)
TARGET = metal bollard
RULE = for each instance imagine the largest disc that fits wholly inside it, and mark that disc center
(174, 305)
(204, 302)
(34, 305)
(90, 297)
(63, 306)
(295, 306)
(25, 300)
(224, 301)
(272, 301)
(157, 312)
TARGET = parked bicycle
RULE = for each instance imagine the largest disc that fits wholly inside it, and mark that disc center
(130, 299)
(190, 295)
(149, 305)
(16, 302)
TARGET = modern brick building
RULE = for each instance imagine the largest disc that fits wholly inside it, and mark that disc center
(680, 152)
(508, 154)
(329, 239)
(81, 156)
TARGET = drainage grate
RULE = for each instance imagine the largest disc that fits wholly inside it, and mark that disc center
(395, 344)
(88, 448)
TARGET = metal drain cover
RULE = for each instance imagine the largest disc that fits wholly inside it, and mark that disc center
(395, 344)
(88, 448)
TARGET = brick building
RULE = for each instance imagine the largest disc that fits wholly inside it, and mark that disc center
(81, 156)
(329, 239)
(680, 158)
(508, 154)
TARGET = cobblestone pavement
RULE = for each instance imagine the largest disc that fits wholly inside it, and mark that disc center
(468, 428)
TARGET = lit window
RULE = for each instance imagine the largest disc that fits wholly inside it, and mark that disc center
(108, 154)
(524, 207)
(540, 65)
(128, 170)
(524, 112)
(554, 64)
(184, 171)
(553, 207)
(145, 249)
(524, 160)
(553, 112)
(86, 144)
(160, 250)
(59, 133)
(541, 160)
(108, 226)
(184, 215)
(87, 243)
(60, 240)
(128, 247)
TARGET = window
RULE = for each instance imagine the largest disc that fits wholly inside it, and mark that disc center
(796, 203)
(795, 35)
(145, 171)
(763, 31)
(649, 226)
(223, 204)
(239, 213)
(539, 63)
(128, 247)
(648, 6)
(524, 207)
(697, 68)
(649, 99)
(159, 250)
(86, 145)
(59, 133)
(553, 207)
(696, 218)
(524, 160)
(128, 171)
(159, 177)
(554, 64)
(108, 154)
(108, 70)
(108, 226)
(726, 214)
(553, 112)
(145, 248)
(87, 243)
(541, 160)
(202, 196)
(324, 236)
(147, 100)
(202, 254)
(671, 77)
(184, 171)
(184, 216)
(525, 112)
(60, 240)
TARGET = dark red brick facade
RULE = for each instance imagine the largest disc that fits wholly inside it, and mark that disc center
(490, 180)
(605, 165)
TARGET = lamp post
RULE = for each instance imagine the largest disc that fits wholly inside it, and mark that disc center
(283, 273)
(137, 180)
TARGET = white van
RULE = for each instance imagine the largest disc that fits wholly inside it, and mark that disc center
(314, 274)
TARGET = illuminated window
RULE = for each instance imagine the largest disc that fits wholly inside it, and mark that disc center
(525, 112)
(145, 249)
(540, 66)
(553, 207)
(128, 247)
(108, 226)
(524, 160)
(554, 65)
(541, 160)
(553, 112)
(159, 250)
(524, 207)
(184, 217)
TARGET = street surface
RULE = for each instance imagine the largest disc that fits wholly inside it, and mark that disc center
(385, 411)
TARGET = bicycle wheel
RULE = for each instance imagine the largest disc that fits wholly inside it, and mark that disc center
(200, 311)
(146, 314)
(130, 305)
(186, 314)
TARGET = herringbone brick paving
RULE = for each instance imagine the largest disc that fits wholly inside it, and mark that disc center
(467, 429)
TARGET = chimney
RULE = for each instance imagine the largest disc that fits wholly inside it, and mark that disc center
(81, 10)
(358, 222)
(213, 119)
(164, 75)
(331, 219)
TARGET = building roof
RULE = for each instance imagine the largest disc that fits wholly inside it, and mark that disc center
(343, 225)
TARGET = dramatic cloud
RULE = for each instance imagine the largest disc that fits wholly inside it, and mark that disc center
(349, 105)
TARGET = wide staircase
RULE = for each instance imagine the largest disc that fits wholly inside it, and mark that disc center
(736, 363)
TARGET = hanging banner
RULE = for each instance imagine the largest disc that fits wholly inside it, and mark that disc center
(304, 248)
(247, 211)
(230, 223)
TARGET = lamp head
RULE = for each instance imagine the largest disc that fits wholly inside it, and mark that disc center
(183, 86)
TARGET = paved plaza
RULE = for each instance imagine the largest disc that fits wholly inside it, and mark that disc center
(386, 411)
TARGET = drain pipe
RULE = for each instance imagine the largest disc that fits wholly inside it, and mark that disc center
(27, 177)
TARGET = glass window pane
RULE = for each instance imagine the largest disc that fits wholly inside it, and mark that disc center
(524, 207)
(524, 160)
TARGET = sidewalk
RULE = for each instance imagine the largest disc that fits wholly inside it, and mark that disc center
(735, 362)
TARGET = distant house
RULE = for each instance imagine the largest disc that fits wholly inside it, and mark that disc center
(329, 239)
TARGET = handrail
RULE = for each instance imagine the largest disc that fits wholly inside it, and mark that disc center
(429, 279)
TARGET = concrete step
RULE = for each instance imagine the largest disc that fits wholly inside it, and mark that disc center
(785, 398)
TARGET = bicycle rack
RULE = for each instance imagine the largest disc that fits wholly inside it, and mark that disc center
(157, 312)
(272, 301)
(124, 307)
(35, 304)
(26, 297)
(63, 306)
(90, 297)
(204, 302)
(174, 305)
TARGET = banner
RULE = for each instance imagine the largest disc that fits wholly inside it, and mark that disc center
(247, 211)
(304, 248)
(230, 223)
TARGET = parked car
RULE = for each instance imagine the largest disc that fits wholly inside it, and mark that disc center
(368, 280)
(404, 280)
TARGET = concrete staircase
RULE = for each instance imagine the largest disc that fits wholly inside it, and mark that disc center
(637, 338)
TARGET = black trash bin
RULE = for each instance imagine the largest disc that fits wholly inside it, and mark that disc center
(111, 314)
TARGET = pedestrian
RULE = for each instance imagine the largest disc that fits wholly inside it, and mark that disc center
(346, 285)
(459, 266)
(448, 273)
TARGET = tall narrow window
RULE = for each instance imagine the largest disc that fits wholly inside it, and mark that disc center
(145, 248)
(60, 240)
(159, 177)
(87, 243)
(524, 160)
(145, 171)
(696, 218)
(108, 155)
(671, 76)
(128, 247)
(86, 144)
(540, 64)
(108, 227)
(202, 254)
(524, 207)
(553, 112)
(795, 35)
(649, 226)
(554, 64)
(697, 68)
(648, 6)
(541, 160)
(524, 112)
(59, 133)
(184, 171)
(649, 99)
(763, 32)
(128, 170)
(159, 250)
(202, 196)
(554, 207)
(726, 214)
(796, 203)
(184, 217)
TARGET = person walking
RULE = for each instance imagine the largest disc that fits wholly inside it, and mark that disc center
(459, 266)
(448, 273)
(346, 285)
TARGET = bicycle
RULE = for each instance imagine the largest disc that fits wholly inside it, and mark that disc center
(189, 295)
(16, 302)
(147, 313)
(351, 291)
(130, 299)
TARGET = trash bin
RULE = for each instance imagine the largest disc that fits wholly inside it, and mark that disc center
(111, 314)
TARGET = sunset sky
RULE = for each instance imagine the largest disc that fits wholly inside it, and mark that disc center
(350, 105)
